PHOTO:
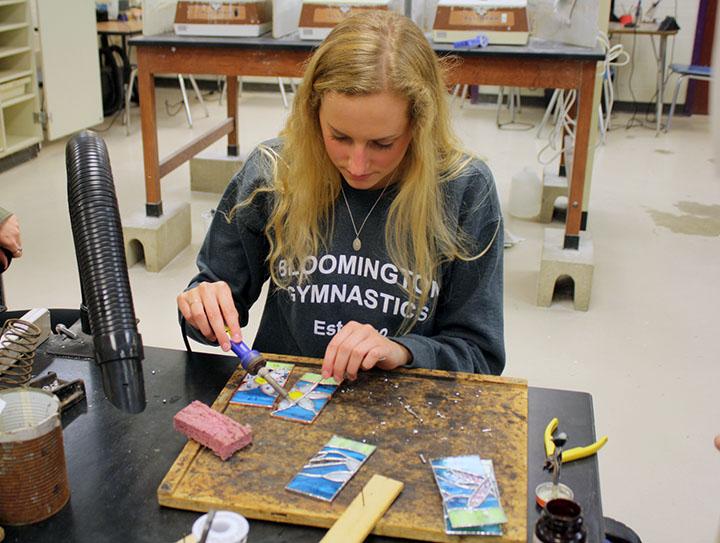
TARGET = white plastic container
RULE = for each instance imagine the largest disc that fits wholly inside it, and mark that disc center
(113, 7)
(227, 527)
(525, 194)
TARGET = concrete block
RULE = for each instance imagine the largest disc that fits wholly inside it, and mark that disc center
(158, 239)
(557, 262)
(554, 186)
(211, 171)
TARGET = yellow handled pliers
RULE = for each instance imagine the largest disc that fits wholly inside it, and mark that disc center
(570, 454)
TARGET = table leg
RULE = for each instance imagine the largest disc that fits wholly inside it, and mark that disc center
(232, 108)
(151, 159)
(660, 84)
(580, 157)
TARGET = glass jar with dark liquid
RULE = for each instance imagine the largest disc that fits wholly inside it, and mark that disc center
(560, 522)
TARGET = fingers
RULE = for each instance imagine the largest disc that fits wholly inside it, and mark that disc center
(230, 315)
(356, 346)
(191, 306)
(10, 236)
(210, 308)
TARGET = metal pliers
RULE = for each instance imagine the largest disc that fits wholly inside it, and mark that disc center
(570, 454)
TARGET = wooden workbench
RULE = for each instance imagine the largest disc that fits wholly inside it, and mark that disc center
(540, 64)
(454, 414)
(116, 461)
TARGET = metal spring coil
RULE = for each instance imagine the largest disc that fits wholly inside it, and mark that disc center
(17, 352)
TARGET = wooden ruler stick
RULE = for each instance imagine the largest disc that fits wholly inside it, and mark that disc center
(358, 520)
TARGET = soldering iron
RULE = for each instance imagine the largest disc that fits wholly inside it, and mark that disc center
(254, 363)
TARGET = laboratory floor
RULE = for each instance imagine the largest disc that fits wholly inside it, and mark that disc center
(647, 350)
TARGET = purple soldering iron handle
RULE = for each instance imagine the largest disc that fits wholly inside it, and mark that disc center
(250, 360)
(254, 363)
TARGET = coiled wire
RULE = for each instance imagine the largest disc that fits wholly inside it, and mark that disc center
(17, 352)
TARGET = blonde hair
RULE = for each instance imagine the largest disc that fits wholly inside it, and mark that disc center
(366, 54)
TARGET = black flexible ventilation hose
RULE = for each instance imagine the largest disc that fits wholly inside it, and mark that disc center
(100, 252)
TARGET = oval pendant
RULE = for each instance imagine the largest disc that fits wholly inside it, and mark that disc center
(356, 244)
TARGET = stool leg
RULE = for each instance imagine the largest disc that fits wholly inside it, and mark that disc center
(188, 115)
(516, 94)
(501, 93)
(674, 102)
(454, 94)
(128, 95)
(559, 107)
(463, 94)
(548, 112)
(514, 103)
(199, 95)
(282, 92)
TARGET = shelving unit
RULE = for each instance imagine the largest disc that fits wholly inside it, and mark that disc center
(20, 127)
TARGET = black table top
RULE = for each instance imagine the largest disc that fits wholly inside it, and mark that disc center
(536, 48)
(116, 460)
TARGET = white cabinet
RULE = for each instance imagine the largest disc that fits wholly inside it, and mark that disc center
(19, 104)
(72, 96)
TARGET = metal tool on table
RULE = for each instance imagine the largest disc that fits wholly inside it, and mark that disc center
(254, 363)
(68, 392)
(555, 456)
(208, 525)
(559, 442)
(569, 455)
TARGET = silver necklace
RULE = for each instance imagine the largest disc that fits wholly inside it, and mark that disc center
(357, 244)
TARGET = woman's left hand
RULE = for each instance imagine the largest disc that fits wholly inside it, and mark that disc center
(359, 346)
(10, 236)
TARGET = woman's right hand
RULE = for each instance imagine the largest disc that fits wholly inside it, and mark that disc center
(210, 308)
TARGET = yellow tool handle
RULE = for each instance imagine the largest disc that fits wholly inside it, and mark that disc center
(549, 445)
(581, 452)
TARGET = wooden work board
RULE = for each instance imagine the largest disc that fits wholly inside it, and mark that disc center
(461, 414)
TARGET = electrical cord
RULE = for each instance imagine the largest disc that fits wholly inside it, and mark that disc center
(112, 122)
(173, 108)
(615, 56)
(649, 121)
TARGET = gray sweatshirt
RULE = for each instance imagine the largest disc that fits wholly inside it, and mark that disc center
(461, 327)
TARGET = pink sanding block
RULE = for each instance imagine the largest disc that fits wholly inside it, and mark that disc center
(216, 431)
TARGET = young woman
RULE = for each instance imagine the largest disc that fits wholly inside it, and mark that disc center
(381, 239)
